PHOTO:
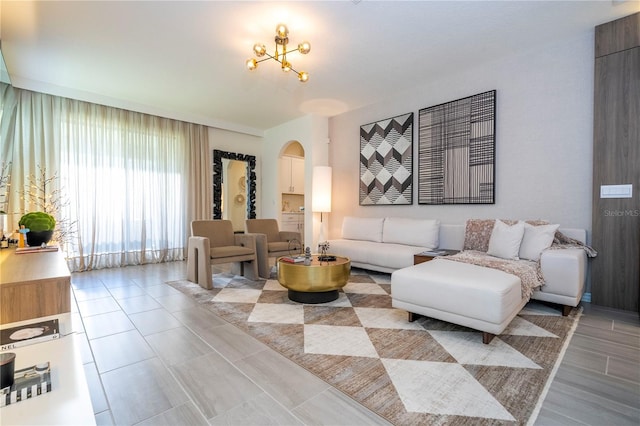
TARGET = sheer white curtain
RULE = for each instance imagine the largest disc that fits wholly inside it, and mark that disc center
(30, 141)
(133, 181)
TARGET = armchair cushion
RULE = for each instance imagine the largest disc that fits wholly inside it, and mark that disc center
(279, 246)
(268, 227)
(230, 251)
(290, 236)
(219, 232)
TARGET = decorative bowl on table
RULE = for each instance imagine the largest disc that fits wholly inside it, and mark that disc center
(38, 238)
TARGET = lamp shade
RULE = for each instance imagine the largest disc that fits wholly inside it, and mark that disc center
(321, 189)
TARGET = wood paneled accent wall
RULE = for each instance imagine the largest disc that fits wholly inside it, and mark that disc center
(615, 273)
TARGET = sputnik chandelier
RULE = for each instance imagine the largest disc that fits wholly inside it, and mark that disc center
(280, 55)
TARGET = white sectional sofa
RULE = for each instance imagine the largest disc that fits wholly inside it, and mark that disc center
(385, 244)
(474, 296)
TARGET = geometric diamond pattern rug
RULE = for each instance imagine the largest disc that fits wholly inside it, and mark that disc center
(422, 372)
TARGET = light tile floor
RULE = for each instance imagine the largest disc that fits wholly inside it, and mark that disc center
(153, 357)
(598, 382)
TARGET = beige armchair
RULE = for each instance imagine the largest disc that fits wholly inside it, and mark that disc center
(271, 242)
(213, 242)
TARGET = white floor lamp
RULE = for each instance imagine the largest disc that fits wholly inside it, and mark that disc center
(321, 195)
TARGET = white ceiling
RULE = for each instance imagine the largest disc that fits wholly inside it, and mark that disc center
(185, 60)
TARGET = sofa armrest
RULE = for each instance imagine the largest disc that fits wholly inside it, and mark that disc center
(290, 235)
(564, 271)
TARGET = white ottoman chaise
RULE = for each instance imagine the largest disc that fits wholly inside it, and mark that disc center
(481, 298)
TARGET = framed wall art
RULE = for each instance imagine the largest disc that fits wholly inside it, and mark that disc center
(250, 177)
(386, 162)
(456, 151)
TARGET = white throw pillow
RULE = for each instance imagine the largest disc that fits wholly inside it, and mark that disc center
(412, 232)
(505, 240)
(361, 228)
(536, 239)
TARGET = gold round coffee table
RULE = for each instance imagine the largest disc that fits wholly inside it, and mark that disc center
(316, 283)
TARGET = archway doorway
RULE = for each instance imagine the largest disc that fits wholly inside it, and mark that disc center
(291, 189)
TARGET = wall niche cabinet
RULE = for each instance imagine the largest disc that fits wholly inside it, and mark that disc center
(292, 175)
(293, 222)
(615, 272)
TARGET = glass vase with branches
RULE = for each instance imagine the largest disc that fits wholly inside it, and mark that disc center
(4, 197)
(4, 186)
(44, 192)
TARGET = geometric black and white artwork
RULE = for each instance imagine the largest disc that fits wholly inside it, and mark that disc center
(386, 162)
(456, 151)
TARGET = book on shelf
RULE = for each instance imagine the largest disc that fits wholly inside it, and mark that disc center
(292, 259)
(29, 334)
(28, 383)
(25, 250)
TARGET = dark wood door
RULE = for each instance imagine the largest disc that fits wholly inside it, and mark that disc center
(615, 273)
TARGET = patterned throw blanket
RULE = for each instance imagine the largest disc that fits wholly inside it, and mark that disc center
(528, 271)
(561, 241)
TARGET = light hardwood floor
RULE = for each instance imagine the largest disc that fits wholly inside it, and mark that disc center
(152, 357)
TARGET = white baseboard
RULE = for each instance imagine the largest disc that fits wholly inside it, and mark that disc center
(586, 298)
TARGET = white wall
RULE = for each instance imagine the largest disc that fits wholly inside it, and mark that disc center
(544, 136)
(312, 133)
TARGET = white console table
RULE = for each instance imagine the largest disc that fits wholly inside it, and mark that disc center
(69, 401)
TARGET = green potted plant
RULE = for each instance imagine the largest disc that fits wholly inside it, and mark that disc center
(40, 226)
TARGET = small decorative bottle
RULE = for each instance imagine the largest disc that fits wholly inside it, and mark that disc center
(21, 236)
(307, 256)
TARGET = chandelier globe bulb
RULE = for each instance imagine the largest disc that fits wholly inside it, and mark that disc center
(259, 49)
(304, 47)
(282, 30)
(252, 64)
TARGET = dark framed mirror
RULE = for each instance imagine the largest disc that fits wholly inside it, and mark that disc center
(244, 189)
